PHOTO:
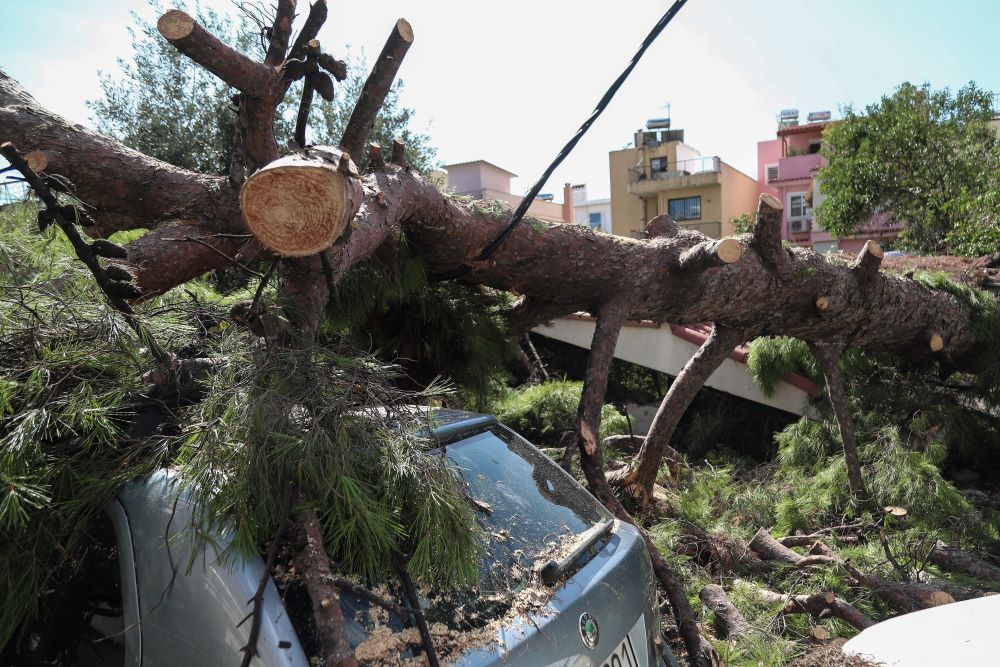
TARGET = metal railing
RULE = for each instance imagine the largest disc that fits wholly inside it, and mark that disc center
(699, 165)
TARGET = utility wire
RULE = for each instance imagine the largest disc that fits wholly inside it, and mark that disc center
(571, 144)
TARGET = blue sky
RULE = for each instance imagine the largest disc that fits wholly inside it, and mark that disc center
(509, 82)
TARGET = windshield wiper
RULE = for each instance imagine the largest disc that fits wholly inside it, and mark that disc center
(553, 571)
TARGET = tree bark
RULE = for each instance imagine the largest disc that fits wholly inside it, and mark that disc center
(954, 558)
(638, 480)
(377, 87)
(313, 564)
(771, 549)
(828, 355)
(816, 604)
(729, 622)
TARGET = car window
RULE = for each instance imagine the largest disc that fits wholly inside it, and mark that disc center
(528, 506)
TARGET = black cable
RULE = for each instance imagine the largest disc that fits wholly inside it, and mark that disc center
(571, 144)
(417, 612)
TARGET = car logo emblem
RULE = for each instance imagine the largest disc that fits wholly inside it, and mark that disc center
(589, 631)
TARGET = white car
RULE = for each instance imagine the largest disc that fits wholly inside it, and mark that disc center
(961, 633)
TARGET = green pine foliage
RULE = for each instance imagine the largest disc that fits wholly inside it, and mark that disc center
(772, 357)
(68, 382)
(328, 423)
(445, 329)
(545, 413)
(334, 429)
(985, 308)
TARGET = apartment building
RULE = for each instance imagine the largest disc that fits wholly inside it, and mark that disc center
(662, 174)
(480, 179)
(788, 167)
(594, 213)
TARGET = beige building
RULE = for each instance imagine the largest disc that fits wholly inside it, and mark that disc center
(480, 179)
(662, 174)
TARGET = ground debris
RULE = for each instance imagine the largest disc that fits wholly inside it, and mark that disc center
(832, 656)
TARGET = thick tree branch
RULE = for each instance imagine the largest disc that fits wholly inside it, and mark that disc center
(815, 604)
(639, 478)
(377, 87)
(281, 32)
(310, 29)
(708, 254)
(216, 56)
(610, 318)
(124, 188)
(729, 622)
(166, 257)
(766, 234)
(314, 565)
(828, 355)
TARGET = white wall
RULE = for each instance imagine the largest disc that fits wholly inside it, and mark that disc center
(658, 348)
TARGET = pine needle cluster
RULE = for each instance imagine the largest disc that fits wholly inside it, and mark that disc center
(271, 432)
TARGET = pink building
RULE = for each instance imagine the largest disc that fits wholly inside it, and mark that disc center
(480, 179)
(788, 168)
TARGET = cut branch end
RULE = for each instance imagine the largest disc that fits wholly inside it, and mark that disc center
(300, 204)
(175, 24)
(869, 260)
(37, 161)
(708, 254)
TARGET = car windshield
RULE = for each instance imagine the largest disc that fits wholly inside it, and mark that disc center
(529, 507)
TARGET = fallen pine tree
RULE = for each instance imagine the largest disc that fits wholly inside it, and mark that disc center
(311, 217)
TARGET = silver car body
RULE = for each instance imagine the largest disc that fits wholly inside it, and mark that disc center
(182, 606)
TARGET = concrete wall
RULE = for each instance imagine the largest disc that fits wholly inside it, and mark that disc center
(768, 152)
(626, 209)
(739, 196)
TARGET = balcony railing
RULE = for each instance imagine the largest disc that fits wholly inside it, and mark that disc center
(699, 165)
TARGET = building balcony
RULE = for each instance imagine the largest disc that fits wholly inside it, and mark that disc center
(645, 179)
(799, 167)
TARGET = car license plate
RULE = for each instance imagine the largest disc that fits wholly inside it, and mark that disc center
(623, 656)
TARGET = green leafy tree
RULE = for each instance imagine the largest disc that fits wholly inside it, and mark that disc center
(743, 223)
(926, 158)
(166, 106)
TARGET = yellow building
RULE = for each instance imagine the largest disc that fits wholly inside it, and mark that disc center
(662, 174)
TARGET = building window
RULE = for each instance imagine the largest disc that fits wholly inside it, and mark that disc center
(658, 164)
(814, 145)
(772, 172)
(797, 208)
(594, 220)
(688, 208)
